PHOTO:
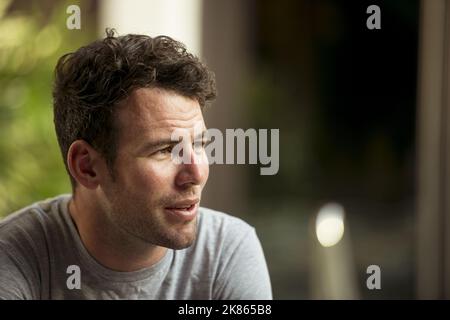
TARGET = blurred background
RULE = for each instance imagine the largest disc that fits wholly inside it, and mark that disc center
(362, 114)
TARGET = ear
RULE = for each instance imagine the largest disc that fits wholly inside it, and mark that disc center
(84, 164)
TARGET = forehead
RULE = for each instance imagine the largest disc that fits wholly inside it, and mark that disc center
(153, 111)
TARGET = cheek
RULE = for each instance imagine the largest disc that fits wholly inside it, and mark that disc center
(153, 175)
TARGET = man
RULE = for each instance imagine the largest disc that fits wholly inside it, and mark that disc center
(133, 228)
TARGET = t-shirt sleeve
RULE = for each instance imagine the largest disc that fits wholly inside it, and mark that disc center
(13, 283)
(243, 275)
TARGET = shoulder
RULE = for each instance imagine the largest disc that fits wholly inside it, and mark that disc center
(224, 236)
(24, 247)
(222, 228)
(240, 270)
(25, 235)
(31, 222)
(221, 220)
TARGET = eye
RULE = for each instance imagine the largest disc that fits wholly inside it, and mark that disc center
(166, 150)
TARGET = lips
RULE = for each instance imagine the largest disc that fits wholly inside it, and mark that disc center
(183, 205)
(182, 211)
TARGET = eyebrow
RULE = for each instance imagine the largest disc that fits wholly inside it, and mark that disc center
(154, 145)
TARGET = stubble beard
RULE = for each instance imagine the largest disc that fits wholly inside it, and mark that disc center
(149, 226)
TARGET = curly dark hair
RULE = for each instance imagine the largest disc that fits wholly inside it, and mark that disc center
(90, 82)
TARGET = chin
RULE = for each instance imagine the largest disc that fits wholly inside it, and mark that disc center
(180, 246)
(182, 237)
(181, 240)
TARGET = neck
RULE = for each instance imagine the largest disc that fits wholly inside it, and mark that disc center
(109, 245)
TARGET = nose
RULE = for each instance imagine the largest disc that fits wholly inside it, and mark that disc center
(193, 173)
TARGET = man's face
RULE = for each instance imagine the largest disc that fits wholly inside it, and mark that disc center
(151, 197)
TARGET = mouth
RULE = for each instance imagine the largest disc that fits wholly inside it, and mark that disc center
(183, 211)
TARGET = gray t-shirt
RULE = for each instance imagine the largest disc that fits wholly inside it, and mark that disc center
(40, 243)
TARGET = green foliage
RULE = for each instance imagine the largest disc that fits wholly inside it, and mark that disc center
(31, 166)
